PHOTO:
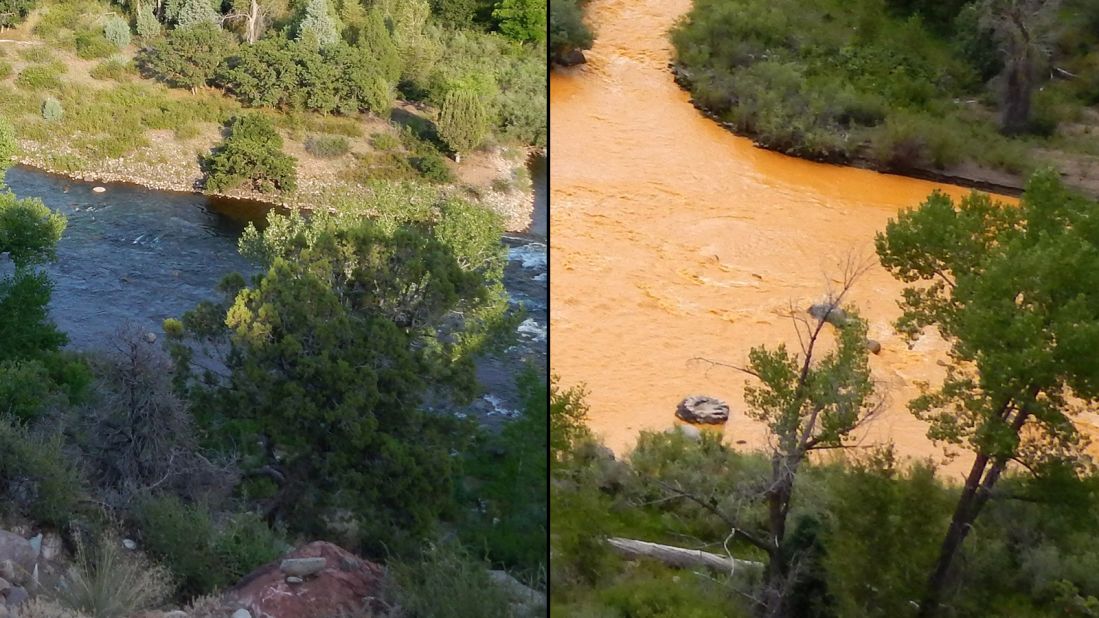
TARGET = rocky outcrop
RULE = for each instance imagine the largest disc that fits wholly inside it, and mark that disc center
(569, 57)
(703, 409)
(17, 558)
(344, 584)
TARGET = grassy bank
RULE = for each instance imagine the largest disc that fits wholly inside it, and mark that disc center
(118, 122)
(910, 87)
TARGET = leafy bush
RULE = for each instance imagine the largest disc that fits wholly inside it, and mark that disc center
(37, 480)
(37, 54)
(117, 31)
(445, 583)
(248, 543)
(108, 581)
(433, 167)
(182, 537)
(252, 153)
(51, 109)
(327, 146)
(92, 44)
(567, 31)
(13, 12)
(5, 69)
(41, 77)
(116, 69)
(385, 141)
(148, 26)
(189, 56)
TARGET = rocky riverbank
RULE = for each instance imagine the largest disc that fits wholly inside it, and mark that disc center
(167, 165)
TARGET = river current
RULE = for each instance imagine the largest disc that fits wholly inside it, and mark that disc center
(674, 239)
(130, 255)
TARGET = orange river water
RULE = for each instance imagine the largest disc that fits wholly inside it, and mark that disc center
(672, 239)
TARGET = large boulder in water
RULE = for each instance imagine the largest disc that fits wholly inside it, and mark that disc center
(337, 589)
(569, 57)
(703, 409)
(829, 313)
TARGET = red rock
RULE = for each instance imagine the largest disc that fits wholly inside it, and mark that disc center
(343, 585)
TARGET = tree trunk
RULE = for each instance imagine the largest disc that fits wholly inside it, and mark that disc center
(678, 557)
(1016, 114)
(959, 528)
(778, 506)
(978, 488)
(253, 22)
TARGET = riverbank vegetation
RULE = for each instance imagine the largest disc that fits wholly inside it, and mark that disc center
(851, 530)
(315, 399)
(985, 90)
(145, 105)
(569, 36)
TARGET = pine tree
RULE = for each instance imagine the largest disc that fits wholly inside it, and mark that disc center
(196, 11)
(318, 28)
(463, 120)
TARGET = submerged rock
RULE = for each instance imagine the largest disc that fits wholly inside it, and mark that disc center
(831, 314)
(703, 409)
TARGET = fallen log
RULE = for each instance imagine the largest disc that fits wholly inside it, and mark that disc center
(678, 557)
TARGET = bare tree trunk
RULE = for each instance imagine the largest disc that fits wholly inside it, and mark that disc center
(253, 22)
(679, 557)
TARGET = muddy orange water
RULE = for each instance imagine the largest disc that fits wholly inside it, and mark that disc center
(674, 239)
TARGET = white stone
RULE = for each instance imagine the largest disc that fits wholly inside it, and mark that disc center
(99, 189)
(129, 544)
(242, 613)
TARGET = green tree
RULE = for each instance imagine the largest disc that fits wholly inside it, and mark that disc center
(251, 153)
(568, 414)
(332, 352)
(13, 12)
(463, 120)
(1024, 29)
(522, 20)
(148, 27)
(1015, 291)
(318, 27)
(189, 56)
(568, 34)
(192, 12)
(378, 45)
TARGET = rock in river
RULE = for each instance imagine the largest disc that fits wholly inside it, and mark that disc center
(703, 409)
(829, 313)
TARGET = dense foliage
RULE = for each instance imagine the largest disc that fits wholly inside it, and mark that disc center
(568, 34)
(921, 85)
(251, 153)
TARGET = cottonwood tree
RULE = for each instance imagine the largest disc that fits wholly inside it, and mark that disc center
(809, 401)
(1015, 292)
(1023, 29)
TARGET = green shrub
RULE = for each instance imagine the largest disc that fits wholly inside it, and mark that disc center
(116, 69)
(252, 153)
(446, 583)
(37, 480)
(109, 581)
(148, 26)
(37, 54)
(117, 31)
(385, 141)
(433, 167)
(182, 537)
(247, 543)
(5, 69)
(92, 44)
(41, 77)
(51, 109)
(327, 146)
